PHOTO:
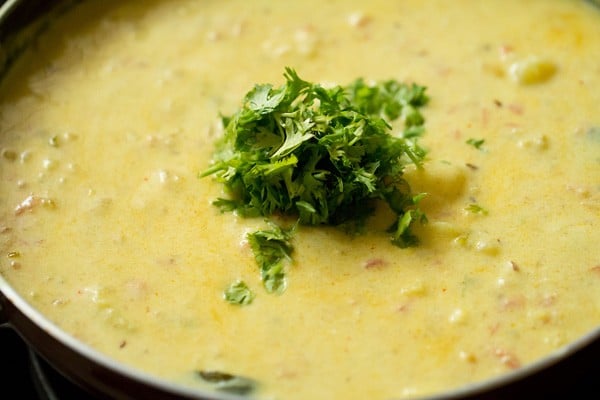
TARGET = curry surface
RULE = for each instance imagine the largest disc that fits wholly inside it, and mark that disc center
(107, 230)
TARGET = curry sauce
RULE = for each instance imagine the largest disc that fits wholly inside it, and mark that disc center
(106, 228)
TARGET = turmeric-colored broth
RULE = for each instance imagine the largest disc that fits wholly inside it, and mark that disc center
(105, 227)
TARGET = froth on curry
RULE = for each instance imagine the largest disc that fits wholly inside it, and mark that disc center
(109, 227)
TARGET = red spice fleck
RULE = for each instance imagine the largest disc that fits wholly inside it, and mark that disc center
(485, 116)
(505, 50)
(507, 358)
(513, 125)
(375, 263)
(512, 303)
(402, 308)
(287, 373)
(596, 269)
(494, 328)
(516, 109)
(444, 71)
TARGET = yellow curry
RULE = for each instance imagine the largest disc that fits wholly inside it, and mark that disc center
(107, 229)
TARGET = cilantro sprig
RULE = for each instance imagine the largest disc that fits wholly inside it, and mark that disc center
(323, 154)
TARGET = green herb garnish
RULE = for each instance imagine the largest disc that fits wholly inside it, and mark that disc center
(476, 209)
(225, 382)
(272, 250)
(594, 133)
(238, 293)
(403, 237)
(322, 154)
(477, 143)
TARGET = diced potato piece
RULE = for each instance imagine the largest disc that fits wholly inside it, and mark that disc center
(479, 241)
(532, 70)
(439, 179)
(415, 289)
(538, 143)
(358, 19)
(445, 229)
(457, 316)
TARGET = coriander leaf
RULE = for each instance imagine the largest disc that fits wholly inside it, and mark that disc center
(594, 134)
(225, 382)
(476, 209)
(296, 134)
(272, 250)
(477, 143)
(402, 235)
(263, 99)
(238, 293)
(389, 99)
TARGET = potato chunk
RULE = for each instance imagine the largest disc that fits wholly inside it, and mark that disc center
(532, 70)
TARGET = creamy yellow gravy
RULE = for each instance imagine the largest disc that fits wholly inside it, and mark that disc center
(107, 230)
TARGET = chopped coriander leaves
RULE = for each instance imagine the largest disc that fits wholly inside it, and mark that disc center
(321, 154)
(594, 134)
(477, 143)
(476, 209)
(229, 383)
(401, 233)
(239, 293)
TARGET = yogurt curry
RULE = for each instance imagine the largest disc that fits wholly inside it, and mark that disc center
(109, 226)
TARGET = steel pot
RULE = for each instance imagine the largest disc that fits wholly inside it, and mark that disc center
(562, 372)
